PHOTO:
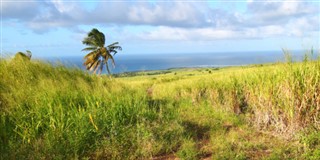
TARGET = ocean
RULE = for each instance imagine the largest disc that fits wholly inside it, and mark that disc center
(143, 62)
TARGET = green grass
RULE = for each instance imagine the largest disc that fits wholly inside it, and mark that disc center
(267, 111)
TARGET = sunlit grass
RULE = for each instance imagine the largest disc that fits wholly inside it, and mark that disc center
(259, 111)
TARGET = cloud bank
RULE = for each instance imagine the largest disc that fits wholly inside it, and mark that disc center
(172, 20)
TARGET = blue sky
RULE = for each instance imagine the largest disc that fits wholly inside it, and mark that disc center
(57, 27)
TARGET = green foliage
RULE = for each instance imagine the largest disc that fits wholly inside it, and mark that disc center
(99, 54)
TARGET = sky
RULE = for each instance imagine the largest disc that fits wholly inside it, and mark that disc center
(56, 28)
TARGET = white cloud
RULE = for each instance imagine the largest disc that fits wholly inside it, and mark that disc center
(185, 14)
(212, 34)
(278, 12)
(172, 20)
(171, 13)
(63, 7)
(55, 14)
(272, 30)
(20, 11)
(304, 26)
(190, 34)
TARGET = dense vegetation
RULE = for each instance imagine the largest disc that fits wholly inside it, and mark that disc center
(253, 112)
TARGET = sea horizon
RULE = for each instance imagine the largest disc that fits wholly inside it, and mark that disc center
(147, 62)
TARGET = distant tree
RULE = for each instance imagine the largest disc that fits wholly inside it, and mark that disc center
(25, 56)
(99, 53)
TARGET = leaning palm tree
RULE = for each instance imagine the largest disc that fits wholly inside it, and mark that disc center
(99, 53)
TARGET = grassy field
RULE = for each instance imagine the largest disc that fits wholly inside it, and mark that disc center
(269, 111)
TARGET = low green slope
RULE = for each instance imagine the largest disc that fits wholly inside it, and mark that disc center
(249, 112)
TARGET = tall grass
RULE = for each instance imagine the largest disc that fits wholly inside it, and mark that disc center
(283, 98)
(56, 113)
(53, 112)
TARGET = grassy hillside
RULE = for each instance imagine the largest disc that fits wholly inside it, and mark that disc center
(251, 112)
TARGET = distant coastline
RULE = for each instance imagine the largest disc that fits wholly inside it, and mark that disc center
(151, 62)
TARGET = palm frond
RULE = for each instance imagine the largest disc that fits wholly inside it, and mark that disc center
(91, 54)
(97, 36)
(112, 44)
(97, 66)
(90, 48)
(113, 62)
(90, 41)
(106, 56)
(107, 66)
(113, 51)
(102, 39)
(94, 65)
(91, 60)
(114, 47)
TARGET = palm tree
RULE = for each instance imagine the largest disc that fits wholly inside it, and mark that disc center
(99, 54)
